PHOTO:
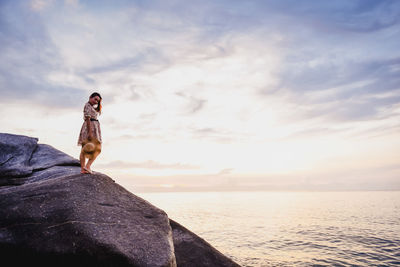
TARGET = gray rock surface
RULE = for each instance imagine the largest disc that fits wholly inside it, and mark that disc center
(191, 250)
(52, 215)
(15, 153)
(87, 216)
(46, 156)
(21, 157)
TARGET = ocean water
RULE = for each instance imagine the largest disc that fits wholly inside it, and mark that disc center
(292, 228)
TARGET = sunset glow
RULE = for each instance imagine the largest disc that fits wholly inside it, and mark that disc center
(216, 94)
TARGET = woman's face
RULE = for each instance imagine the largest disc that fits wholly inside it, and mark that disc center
(94, 100)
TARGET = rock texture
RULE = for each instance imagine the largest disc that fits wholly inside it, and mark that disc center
(15, 155)
(191, 250)
(52, 215)
(23, 160)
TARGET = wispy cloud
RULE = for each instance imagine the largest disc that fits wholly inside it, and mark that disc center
(28, 57)
(195, 104)
(150, 164)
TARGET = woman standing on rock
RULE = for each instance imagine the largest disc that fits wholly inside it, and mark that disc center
(90, 135)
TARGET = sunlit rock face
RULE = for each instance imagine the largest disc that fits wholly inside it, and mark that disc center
(52, 215)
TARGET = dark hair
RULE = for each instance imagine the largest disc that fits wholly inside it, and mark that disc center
(98, 109)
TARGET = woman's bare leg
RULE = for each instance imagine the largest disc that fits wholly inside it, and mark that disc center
(90, 161)
(82, 161)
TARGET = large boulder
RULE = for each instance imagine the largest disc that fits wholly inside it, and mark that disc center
(83, 218)
(52, 215)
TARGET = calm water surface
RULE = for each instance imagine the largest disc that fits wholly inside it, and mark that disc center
(292, 228)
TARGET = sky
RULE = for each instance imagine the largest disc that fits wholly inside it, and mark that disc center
(212, 95)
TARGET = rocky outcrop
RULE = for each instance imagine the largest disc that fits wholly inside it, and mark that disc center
(23, 160)
(52, 215)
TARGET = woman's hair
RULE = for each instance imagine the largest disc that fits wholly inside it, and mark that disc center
(98, 108)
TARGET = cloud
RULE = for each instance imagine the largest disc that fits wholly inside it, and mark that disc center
(364, 91)
(327, 73)
(340, 16)
(195, 104)
(150, 164)
(28, 57)
(226, 171)
(73, 3)
(38, 5)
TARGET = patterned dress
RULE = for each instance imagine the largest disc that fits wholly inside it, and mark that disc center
(89, 111)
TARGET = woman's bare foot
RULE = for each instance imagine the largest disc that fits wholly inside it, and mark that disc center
(84, 171)
(88, 170)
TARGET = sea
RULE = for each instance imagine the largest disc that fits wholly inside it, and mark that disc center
(292, 228)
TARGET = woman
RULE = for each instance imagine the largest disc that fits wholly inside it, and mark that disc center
(90, 130)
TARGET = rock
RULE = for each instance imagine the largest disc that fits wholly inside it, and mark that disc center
(52, 215)
(191, 250)
(15, 153)
(82, 218)
(21, 156)
(46, 156)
